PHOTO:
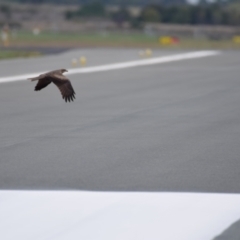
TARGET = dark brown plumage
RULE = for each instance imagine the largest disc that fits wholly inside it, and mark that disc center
(59, 80)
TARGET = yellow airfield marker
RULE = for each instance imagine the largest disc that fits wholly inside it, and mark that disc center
(148, 52)
(236, 39)
(141, 54)
(83, 61)
(74, 62)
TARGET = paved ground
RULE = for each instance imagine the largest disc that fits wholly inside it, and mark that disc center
(232, 233)
(95, 57)
(168, 127)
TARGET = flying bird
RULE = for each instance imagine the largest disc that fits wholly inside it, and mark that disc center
(59, 80)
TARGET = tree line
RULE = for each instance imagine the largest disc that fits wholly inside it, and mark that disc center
(117, 2)
(205, 13)
(209, 14)
(221, 12)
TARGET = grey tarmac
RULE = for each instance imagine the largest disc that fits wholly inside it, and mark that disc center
(167, 127)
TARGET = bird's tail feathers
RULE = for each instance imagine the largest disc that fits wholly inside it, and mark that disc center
(33, 79)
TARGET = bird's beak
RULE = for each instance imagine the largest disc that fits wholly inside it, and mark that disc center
(66, 70)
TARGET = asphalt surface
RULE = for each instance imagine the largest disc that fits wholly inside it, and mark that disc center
(167, 127)
(232, 233)
(95, 57)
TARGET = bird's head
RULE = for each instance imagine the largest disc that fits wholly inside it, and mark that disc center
(64, 70)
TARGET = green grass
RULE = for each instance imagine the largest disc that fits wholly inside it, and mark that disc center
(5, 54)
(139, 40)
(47, 39)
(87, 39)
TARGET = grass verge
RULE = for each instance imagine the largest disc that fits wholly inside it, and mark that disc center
(104, 39)
(6, 54)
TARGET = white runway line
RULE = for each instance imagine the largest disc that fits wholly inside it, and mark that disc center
(67, 215)
(115, 66)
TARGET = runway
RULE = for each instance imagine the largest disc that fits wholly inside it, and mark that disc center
(170, 127)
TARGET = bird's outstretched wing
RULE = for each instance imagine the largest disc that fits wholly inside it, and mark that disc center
(64, 86)
(42, 83)
(59, 80)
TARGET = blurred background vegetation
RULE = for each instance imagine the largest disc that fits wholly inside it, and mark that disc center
(123, 23)
(218, 12)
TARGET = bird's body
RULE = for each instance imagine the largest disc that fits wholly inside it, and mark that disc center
(59, 80)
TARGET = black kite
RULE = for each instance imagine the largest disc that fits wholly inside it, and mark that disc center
(59, 80)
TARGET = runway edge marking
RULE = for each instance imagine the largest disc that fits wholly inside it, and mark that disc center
(115, 66)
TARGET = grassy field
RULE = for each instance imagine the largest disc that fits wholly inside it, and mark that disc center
(26, 40)
(47, 39)
(86, 39)
(5, 54)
